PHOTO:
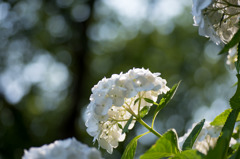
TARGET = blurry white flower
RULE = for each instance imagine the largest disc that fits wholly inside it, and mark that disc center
(112, 101)
(217, 19)
(204, 20)
(63, 149)
(206, 139)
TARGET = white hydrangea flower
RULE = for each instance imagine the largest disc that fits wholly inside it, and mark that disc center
(112, 101)
(203, 20)
(206, 139)
(218, 20)
(63, 149)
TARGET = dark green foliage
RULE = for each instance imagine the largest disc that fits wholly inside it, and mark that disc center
(188, 143)
(136, 100)
(235, 100)
(120, 126)
(148, 100)
(236, 134)
(166, 98)
(125, 129)
(236, 155)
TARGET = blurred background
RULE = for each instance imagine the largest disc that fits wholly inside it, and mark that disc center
(53, 52)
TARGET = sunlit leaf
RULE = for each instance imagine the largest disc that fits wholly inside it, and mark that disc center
(221, 118)
(166, 146)
(131, 148)
(193, 136)
(188, 154)
(144, 111)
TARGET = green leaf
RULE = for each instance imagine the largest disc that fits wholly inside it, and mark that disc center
(144, 111)
(221, 119)
(125, 129)
(120, 126)
(166, 146)
(232, 43)
(129, 152)
(235, 100)
(221, 148)
(136, 101)
(188, 154)
(193, 136)
(236, 155)
(148, 100)
(166, 98)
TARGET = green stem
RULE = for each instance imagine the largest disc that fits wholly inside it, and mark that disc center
(153, 120)
(143, 123)
(131, 112)
(148, 127)
(139, 104)
(154, 117)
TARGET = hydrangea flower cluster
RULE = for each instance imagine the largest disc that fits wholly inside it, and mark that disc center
(219, 20)
(115, 99)
(63, 149)
(206, 139)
